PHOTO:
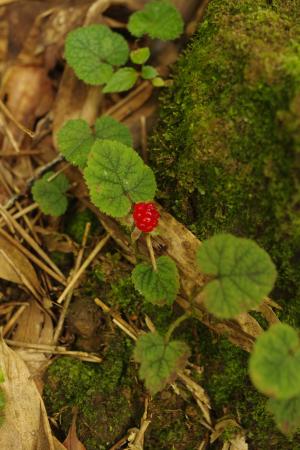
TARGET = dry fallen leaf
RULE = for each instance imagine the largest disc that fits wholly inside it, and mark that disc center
(72, 442)
(34, 327)
(15, 267)
(238, 442)
(26, 425)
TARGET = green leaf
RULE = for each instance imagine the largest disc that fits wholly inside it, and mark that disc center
(122, 80)
(243, 274)
(160, 286)
(108, 128)
(140, 56)
(159, 19)
(148, 72)
(92, 51)
(75, 140)
(50, 195)
(274, 364)
(160, 361)
(286, 414)
(117, 177)
(158, 82)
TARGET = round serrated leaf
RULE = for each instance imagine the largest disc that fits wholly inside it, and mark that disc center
(122, 80)
(117, 177)
(91, 51)
(50, 195)
(243, 274)
(140, 56)
(286, 414)
(157, 286)
(160, 361)
(274, 364)
(159, 19)
(75, 141)
(148, 72)
(109, 128)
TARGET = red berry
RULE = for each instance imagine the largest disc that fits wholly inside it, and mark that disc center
(145, 216)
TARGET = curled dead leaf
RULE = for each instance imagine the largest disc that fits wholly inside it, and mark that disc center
(72, 442)
(15, 267)
(26, 425)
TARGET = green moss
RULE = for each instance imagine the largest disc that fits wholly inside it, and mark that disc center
(226, 150)
(76, 223)
(124, 296)
(227, 383)
(175, 425)
(63, 260)
(100, 391)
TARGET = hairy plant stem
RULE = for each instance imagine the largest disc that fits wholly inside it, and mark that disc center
(151, 251)
(175, 324)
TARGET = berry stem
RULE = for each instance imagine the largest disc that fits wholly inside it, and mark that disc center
(151, 251)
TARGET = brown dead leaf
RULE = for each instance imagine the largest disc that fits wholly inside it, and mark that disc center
(72, 442)
(238, 442)
(35, 327)
(15, 267)
(26, 425)
(268, 314)
(26, 105)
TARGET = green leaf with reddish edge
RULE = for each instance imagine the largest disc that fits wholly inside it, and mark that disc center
(286, 414)
(117, 177)
(159, 19)
(51, 195)
(75, 140)
(157, 286)
(107, 127)
(160, 361)
(92, 51)
(242, 274)
(274, 364)
(122, 80)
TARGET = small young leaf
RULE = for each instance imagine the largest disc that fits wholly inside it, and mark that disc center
(50, 195)
(159, 18)
(243, 274)
(92, 51)
(160, 286)
(160, 361)
(158, 82)
(109, 128)
(117, 177)
(148, 72)
(122, 80)
(75, 141)
(140, 56)
(274, 364)
(286, 414)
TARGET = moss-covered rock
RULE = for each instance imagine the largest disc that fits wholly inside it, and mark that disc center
(226, 151)
(101, 392)
(226, 156)
(227, 383)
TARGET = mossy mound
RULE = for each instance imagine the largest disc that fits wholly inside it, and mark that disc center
(226, 157)
(226, 150)
(226, 381)
(101, 392)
